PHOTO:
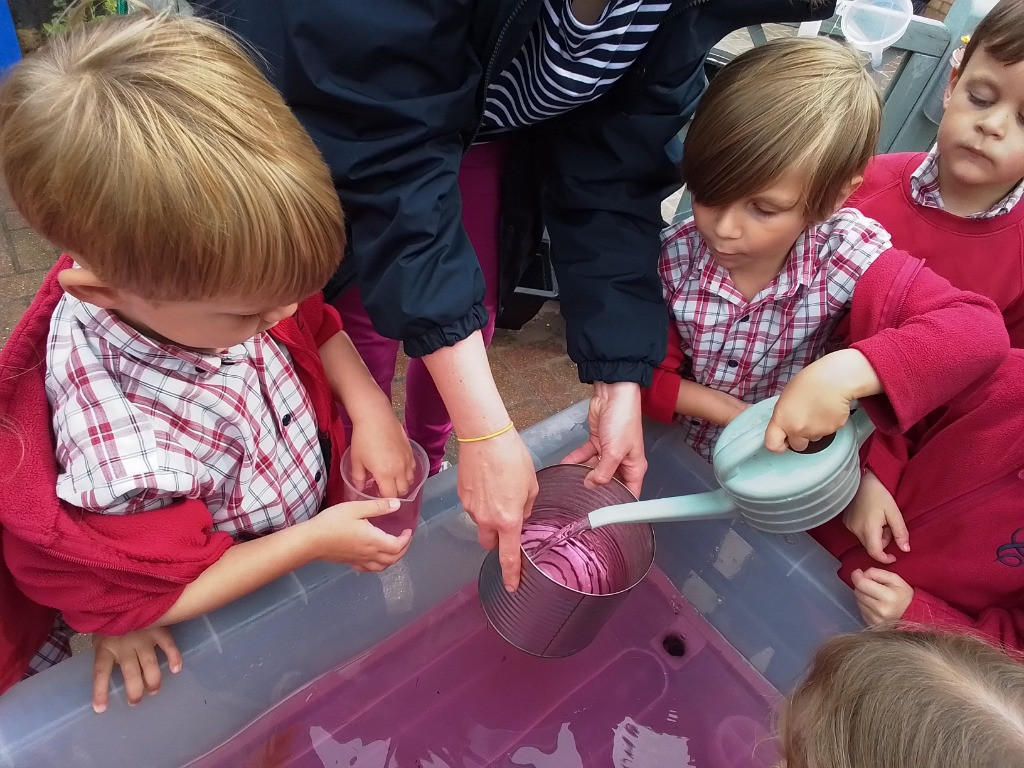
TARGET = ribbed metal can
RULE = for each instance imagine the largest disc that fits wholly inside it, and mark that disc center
(563, 600)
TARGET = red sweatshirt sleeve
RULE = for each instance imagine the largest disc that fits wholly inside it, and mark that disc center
(1003, 625)
(659, 400)
(886, 456)
(926, 340)
(320, 318)
(116, 573)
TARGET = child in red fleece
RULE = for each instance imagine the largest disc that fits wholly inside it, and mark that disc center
(177, 370)
(959, 206)
(945, 398)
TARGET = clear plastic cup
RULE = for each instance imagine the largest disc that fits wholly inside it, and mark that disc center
(873, 25)
(408, 514)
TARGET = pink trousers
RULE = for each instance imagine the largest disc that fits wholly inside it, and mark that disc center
(426, 418)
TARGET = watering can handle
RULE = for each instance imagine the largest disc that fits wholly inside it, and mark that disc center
(862, 424)
(700, 506)
(727, 464)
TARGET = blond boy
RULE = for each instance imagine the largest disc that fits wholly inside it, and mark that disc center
(190, 366)
(758, 279)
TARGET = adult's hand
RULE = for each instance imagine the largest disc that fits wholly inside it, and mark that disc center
(497, 482)
(497, 485)
(616, 444)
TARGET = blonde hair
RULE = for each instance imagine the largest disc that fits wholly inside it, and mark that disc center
(153, 148)
(796, 103)
(905, 699)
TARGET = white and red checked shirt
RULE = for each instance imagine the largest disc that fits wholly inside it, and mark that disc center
(140, 423)
(924, 188)
(750, 349)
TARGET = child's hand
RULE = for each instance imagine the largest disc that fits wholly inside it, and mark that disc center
(381, 449)
(343, 534)
(875, 520)
(135, 653)
(882, 596)
(816, 402)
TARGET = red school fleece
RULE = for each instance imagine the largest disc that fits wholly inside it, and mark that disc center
(951, 450)
(981, 255)
(108, 573)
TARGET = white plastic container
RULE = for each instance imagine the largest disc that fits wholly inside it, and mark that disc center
(773, 598)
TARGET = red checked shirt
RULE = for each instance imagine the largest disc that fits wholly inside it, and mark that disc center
(139, 423)
(924, 188)
(751, 349)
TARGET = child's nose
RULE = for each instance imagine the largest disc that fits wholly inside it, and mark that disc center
(279, 314)
(727, 224)
(994, 122)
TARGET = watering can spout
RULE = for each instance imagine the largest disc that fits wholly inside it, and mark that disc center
(702, 506)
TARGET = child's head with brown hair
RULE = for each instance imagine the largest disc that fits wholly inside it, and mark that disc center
(803, 105)
(981, 135)
(152, 149)
(903, 699)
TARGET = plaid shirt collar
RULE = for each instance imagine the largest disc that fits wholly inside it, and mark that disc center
(797, 272)
(924, 189)
(136, 346)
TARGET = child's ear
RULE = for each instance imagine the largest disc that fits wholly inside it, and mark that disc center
(849, 188)
(954, 76)
(84, 285)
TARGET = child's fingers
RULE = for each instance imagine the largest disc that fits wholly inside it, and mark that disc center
(775, 438)
(898, 526)
(170, 649)
(872, 589)
(150, 668)
(102, 666)
(131, 671)
(884, 577)
(875, 543)
(374, 508)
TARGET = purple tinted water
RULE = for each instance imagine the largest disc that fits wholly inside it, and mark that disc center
(658, 687)
(563, 546)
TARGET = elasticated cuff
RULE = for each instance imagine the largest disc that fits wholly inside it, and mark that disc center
(611, 371)
(447, 335)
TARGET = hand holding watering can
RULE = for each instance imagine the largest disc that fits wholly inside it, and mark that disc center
(773, 488)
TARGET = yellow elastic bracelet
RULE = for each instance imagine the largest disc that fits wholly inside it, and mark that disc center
(501, 431)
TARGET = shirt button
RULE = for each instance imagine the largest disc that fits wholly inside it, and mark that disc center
(745, 319)
(200, 369)
(1021, 474)
(318, 475)
(286, 420)
(695, 422)
(733, 363)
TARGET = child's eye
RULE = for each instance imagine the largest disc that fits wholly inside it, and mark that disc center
(761, 210)
(976, 100)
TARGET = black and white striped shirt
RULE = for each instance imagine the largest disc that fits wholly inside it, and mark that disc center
(565, 63)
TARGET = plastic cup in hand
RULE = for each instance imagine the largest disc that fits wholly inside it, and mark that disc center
(408, 514)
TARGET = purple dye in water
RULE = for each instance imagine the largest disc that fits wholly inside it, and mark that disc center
(565, 548)
(447, 692)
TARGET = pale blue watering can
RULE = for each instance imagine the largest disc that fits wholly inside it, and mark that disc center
(776, 492)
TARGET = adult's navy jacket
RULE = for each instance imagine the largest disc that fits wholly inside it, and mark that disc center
(392, 93)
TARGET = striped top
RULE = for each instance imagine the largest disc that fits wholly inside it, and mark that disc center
(565, 63)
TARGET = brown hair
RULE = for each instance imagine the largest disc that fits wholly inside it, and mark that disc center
(1000, 34)
(152, 147)
(804, 103)
(905, 699)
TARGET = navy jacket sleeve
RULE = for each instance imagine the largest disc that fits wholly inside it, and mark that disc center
(387, 95)
(610, 164)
